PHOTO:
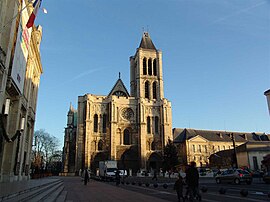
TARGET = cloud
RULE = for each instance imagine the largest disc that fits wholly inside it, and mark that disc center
(83, 74)
(238, 12)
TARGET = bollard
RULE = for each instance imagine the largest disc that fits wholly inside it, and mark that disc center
(244, 192)
(222, 190)
(155, 185)
(204, 189)
(165, 186)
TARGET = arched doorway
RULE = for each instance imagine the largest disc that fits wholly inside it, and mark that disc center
(154, 161)
(101, 156)
(129, 160)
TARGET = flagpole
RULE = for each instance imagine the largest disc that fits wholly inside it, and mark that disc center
(9, 22)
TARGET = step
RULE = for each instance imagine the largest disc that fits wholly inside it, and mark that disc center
(30, 193)
(49, 194)
(52, 197)
(62, 197)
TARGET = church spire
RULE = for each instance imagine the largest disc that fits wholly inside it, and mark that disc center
(146, 42)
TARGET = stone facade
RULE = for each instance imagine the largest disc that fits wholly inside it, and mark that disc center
(17, 100)
(131, 128)
(199, 145)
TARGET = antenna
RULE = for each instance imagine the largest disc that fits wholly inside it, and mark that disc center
(119, 75)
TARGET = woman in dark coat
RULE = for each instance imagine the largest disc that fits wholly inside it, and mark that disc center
(86, 176)
(178, 187)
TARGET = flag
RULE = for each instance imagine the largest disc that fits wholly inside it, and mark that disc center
(33, 15)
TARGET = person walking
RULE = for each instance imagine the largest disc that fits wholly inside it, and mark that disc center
(117, 177)
(192, 180)
(155, 175)
(178, 187)
(85, 176)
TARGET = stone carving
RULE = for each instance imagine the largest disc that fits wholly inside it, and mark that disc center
(127, 113)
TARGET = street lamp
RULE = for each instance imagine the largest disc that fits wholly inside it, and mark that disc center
(234, 151)
(267, 94)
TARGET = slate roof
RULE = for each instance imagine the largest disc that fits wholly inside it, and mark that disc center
(182, 134)
(146, 42)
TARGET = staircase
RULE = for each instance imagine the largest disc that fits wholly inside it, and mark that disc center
(50, 192)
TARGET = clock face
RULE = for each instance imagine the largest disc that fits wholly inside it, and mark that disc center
(127, 113)
(119, 93)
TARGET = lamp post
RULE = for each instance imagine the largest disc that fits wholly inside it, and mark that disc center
(234, 151)
(267, 94)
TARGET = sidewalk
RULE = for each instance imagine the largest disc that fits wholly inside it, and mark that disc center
(96, 191)
(9, 188)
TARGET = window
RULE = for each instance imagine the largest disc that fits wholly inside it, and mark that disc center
(95, 123)
(193, 148)
(148, 125)
(218, 148)
(146, 89)
(255, 163)
(155, 90)
(155, 67)
(100, 145)
(200, 148)
(153, 146)
(205, 148)
(156, 124)
(104, 123)
(150, 67)
(144, 66)
(126, 137)
(224, 148)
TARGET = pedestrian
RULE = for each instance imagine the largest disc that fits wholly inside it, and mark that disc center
(85, 176)
(155, 175)
(117, 177)
(192, 180)
(178, 187)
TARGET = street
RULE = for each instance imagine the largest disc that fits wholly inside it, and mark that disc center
(257, 191)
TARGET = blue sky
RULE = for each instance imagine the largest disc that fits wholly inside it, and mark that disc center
(216, 58)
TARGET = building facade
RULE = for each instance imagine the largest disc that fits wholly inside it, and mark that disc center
(129, 127)
(199, 145)
(20, 70)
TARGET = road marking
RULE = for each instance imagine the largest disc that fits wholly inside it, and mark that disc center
(236, 197)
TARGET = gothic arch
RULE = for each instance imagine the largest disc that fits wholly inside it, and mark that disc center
(146, 90)
(100, 145)
(154, 90)
(154, 161)
(130, 159)
(95, 123)
(155, 67)
(144, 66)
(150, 67)
(100, 156)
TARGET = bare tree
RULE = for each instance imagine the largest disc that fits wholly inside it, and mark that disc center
(45, 148)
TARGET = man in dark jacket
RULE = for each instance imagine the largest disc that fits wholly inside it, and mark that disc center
(192, 180)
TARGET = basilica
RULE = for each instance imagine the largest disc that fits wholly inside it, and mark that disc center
(131, 127)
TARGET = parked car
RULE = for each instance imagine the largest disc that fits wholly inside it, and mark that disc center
(236, 176)
(123, 172)
(266, 177)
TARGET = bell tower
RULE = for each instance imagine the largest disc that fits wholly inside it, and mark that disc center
(146, 80)
(154, 117)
